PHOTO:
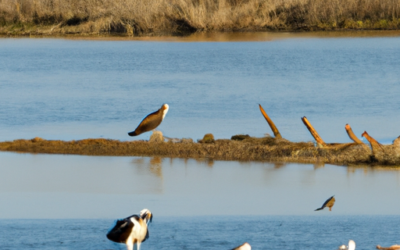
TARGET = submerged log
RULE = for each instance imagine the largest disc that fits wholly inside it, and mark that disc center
(313, 132)
(270, 123)
(352, 135)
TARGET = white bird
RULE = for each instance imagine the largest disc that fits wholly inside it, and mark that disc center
(244, 246)
(351, 246)
(131, 230)
(151, 121)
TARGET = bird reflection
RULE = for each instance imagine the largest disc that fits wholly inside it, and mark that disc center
(209, 162)
(154, 166)
(278, 165)
(318, 165)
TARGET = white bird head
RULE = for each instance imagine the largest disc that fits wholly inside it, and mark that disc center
(164, 108)
(146, 215)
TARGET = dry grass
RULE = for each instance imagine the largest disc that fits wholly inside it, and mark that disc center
(138, 17)
(249, 149)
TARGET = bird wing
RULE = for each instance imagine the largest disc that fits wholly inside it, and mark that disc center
(148, 123)
(326, 203)
(121, 231)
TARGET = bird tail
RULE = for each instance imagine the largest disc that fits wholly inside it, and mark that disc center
(318, 209)
(133, 133)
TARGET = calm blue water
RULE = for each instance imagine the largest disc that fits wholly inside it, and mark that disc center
(274, 232)
(74, 89)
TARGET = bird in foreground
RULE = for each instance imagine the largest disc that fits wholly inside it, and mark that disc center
(131, 230)
(328, 203)
(244, 246)
(151, 121)
(393, 247)
(351, 246)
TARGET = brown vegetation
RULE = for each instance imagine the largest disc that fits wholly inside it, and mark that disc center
(147, 17)
(248, 149)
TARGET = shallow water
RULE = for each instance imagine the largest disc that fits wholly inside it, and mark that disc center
(265, 232)
(65, 186)
(74, 89)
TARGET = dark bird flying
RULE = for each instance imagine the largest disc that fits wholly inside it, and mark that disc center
(328, 203)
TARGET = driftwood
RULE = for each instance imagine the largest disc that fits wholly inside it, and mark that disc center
(352, 135)
(375, 145)
(394, 247)
(313, 132)
(270, 123)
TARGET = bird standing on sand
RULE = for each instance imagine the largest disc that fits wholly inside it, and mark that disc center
(328, 203)
(151, 121)
(351, 246)
(131, 230)
(244, 246)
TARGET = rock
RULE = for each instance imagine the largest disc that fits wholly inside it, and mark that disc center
(157, 136)
(208, 138)
(187, 140)
(37, 139)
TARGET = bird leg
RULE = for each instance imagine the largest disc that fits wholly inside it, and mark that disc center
(129, 245)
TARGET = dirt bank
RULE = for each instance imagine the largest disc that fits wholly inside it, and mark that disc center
(248, 149)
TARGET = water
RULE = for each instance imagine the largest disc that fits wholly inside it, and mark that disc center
(271, 232)
(75, 89)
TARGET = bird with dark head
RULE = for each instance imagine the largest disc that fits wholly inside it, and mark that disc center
(244, 246)
(328, 203)
(151, 121)
(132, 229)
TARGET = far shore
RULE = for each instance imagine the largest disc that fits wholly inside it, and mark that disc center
(211, 36)
(267, 149)
(149, 18)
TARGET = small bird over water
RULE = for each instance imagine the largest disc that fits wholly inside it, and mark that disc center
(131, 230)
(151, 121)
(328, 203)
(244, 246)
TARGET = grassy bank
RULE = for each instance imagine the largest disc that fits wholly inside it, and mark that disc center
(249, 149)
(179, 17)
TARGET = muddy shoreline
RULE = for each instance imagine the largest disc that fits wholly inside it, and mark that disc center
(265, 149)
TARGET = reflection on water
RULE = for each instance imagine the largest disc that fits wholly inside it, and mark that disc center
(45, 186)
(249, 36)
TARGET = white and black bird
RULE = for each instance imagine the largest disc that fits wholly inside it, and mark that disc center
(131, 230)
(328, 203)
(244, 246)
(151, 121)
(350, 246)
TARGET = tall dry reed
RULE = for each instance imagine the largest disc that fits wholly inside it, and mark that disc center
(137, 17)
